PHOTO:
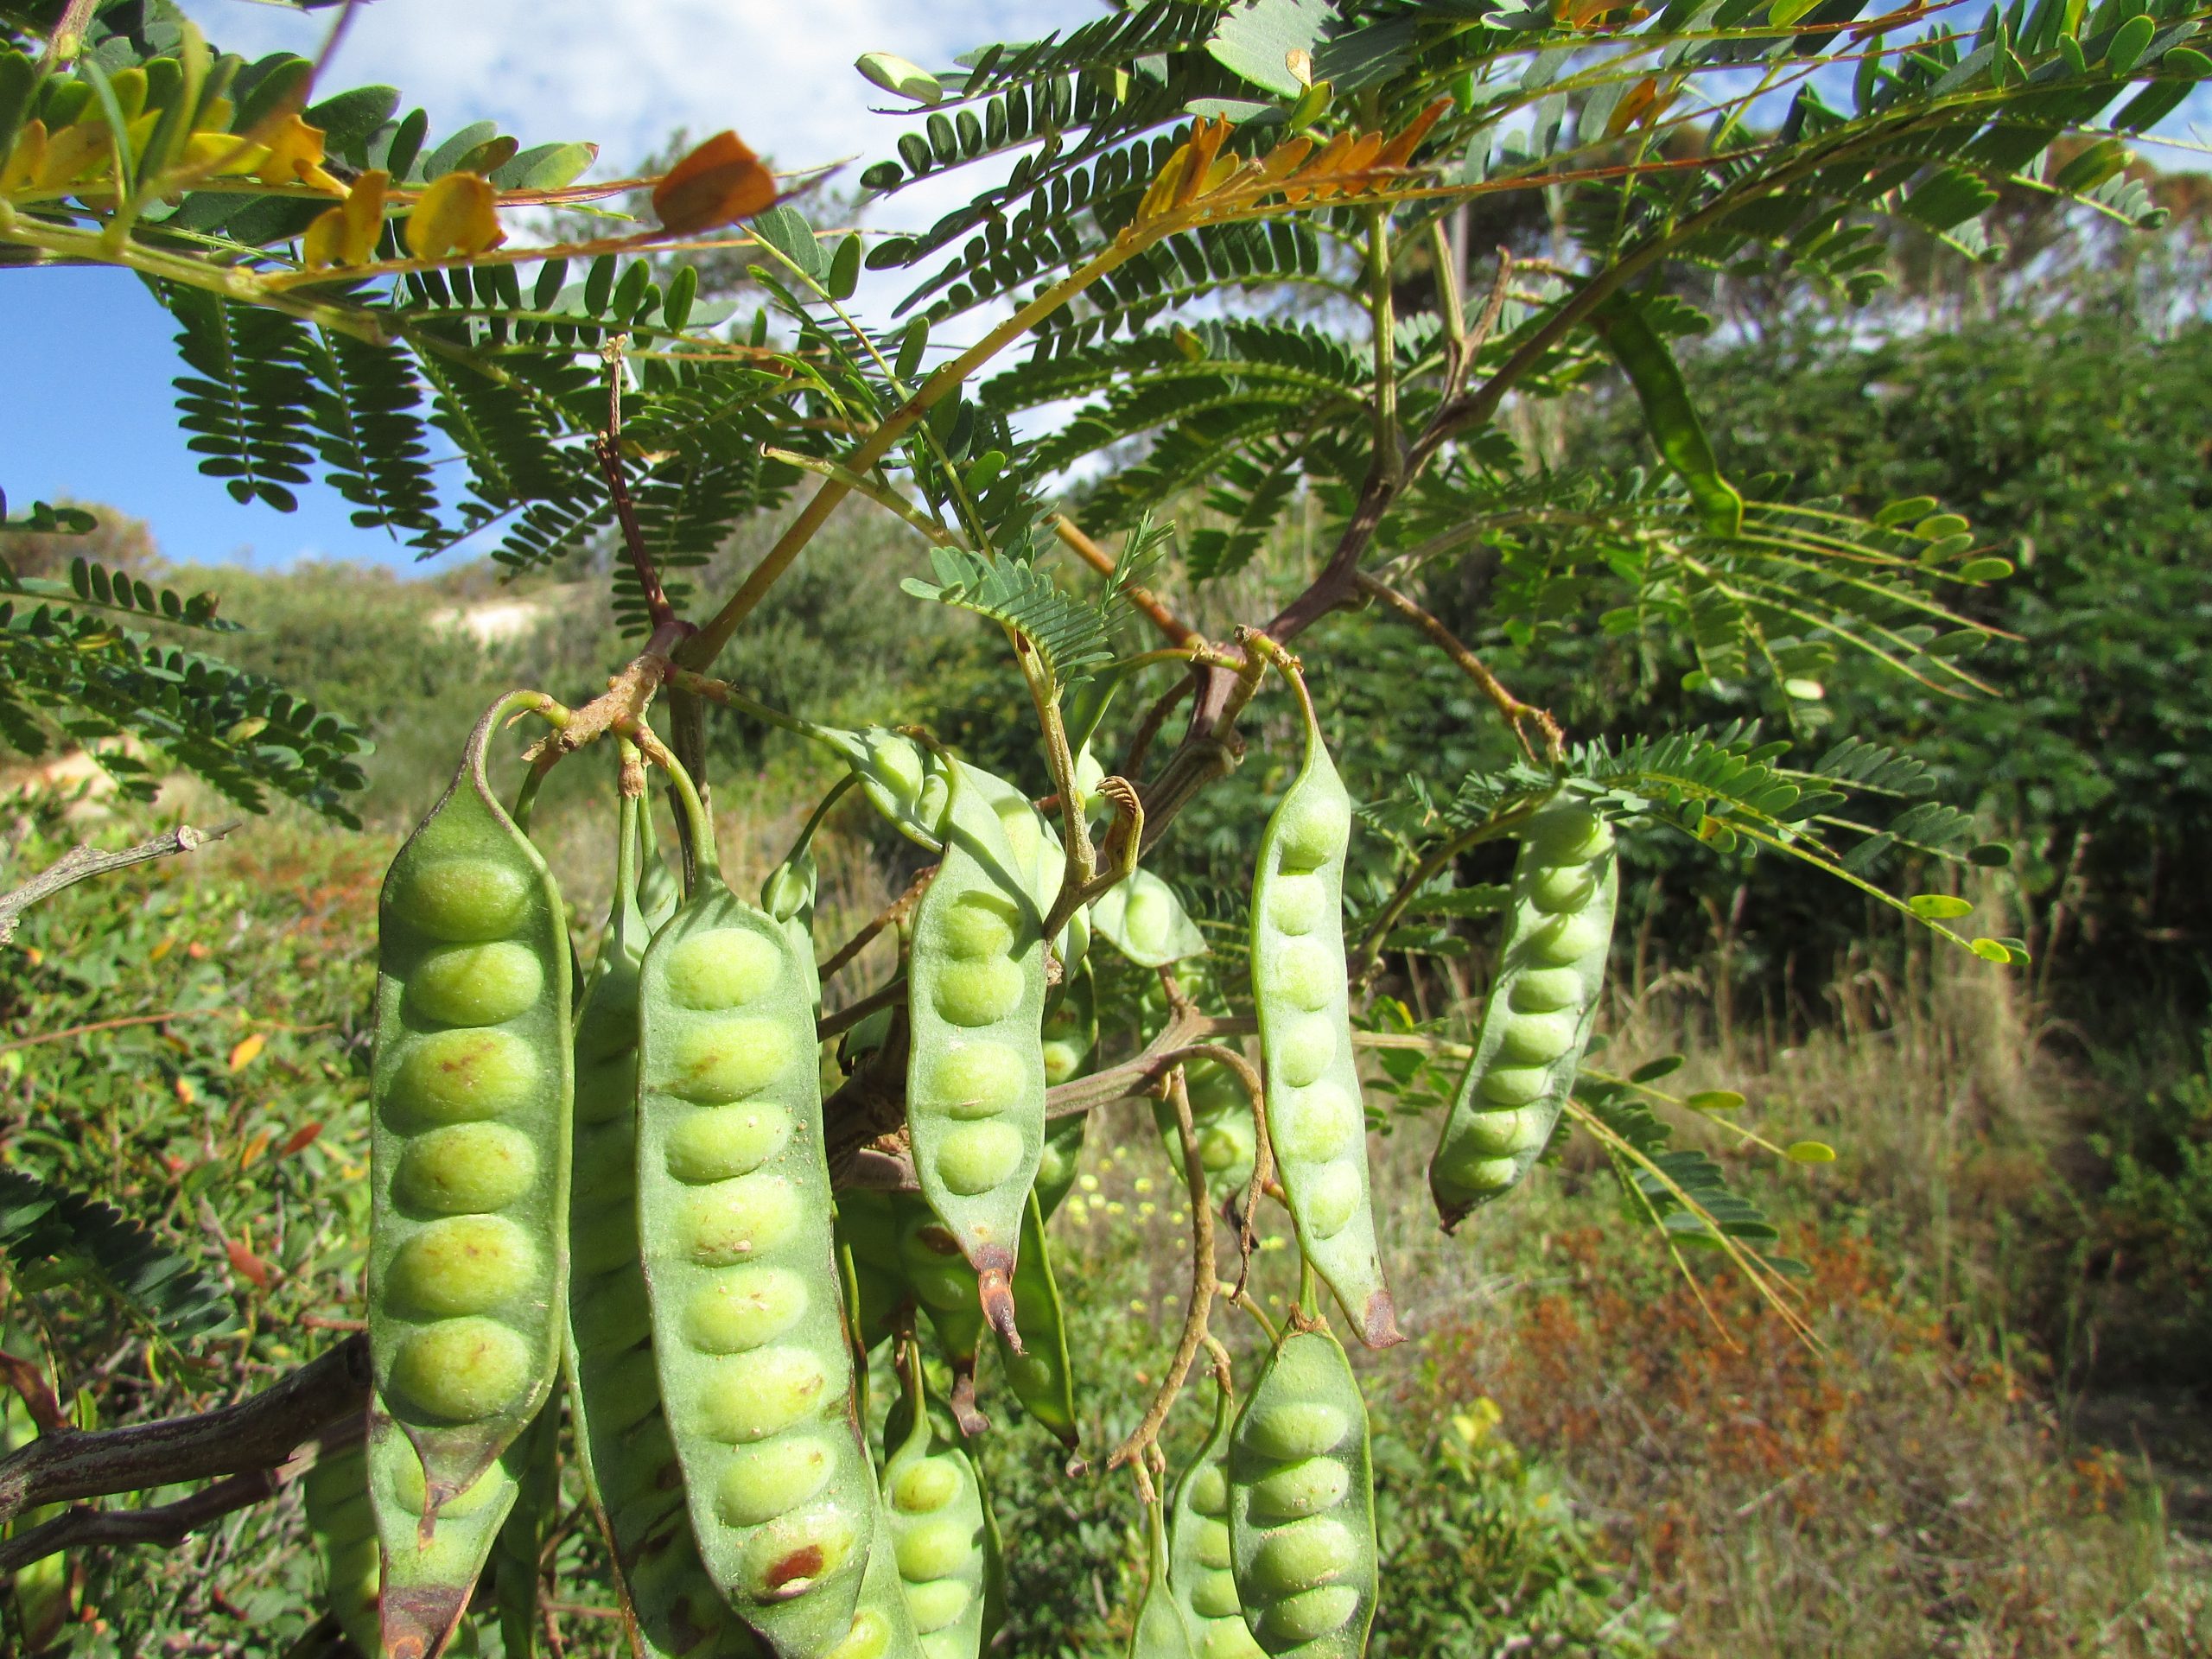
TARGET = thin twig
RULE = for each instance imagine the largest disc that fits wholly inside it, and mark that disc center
(1509, 706)
(1154, 717)
(259, 1433)
(166, 1524)
(893, 913)
(606, 448)
(846, 1018)
(82, 863)
(1143, 598)
(1204, 1283)
(109, 1024)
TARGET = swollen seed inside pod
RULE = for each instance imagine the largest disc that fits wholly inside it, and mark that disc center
(1061, 1059)
(1307, 974)
(937, 1603)
(1312, 830)
(607, 1240)
(976, 1157)
(1210, 1490)
(1304, 1050)
(475, 984)
(459, 1077)
(1566, 939)
(897, 760)
(925, 1486)
(1211, 1544)
(762, 1481)
(1296, 904)
(1295, 1429)
(738, 1220)
(1508, 1133)
(725, 1141)
(869, 1639)
(409, 1486)
(630, 1393)
(1569, 835)
(463, 1370)
(465, 1264)
(1332, 1195)
(977, 924)
(1225, 1146)
(1305, 1553)
(934, 801)
(728, 1058)
(978, 993)
(1563, 887)
(1481, 1174)
(1536, 1038)
(934, 1549)
(1214, 1595)
(947, 1289)
(464, 900)
(1227, 1639)
(464, 1168)
(1309, 1616)
(750, 1396)
(1053, 1168)
(978, 1079)
(787, 1558)
(1024, 837)
(1306, 1487)
(722, 968)
(736, 1310)
(607, 1089)
(1317, 1124)
(604, 1159)
(1149, 920)
(608, 1321)
(1515, 1085)
(1546, 990)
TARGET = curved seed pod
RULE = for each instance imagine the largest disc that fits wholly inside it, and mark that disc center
(867, 1240)
(1220, 1112)
(521, 1539)
(1038, 1372)
(1537, 1019)
(881, 1627)
(1316, 1121)
(335, 1495)
(1302, 1504)
(945, 1285)
(934, 1506)
(469, 1173)
(734, 1216)
(621, 1434)
(1071, 1026)
(658, 891)
(1057, 1170)
(1161, 1631)
(976, 1069)
(1039, 857)
(909, 785)
(1197, 1550)
(1143, 919)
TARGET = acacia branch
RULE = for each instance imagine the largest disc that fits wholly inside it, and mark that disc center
(1144, 599)
(83, 863)
(166, 1524)
(1511, 707)
(255, 1435)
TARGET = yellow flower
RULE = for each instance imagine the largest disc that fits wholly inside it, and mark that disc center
(346, 234)
(25, 159)
(457, 213)
(295, 156)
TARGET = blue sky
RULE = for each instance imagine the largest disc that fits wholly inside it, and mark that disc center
(86, 410)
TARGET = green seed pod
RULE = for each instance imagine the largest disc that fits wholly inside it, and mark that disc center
(622, 1440)
(882, 1627)
(938, 1277)
(867, 1244)
(521, 1540)
(1143, 919)
(1039, 1373)
(1301, 1504)
(1537, 1020)
(1162, 1630)
(471, 1092)
(1056, 1170)
(1071, 1029)
(1220, 1112)
(335, 1495)
(904, 781)
(1039, 857)
(975, 1068)
(1316, 1121)
(934, 1502)
(733, 1216)
(418, 1567)
(1197, 1549)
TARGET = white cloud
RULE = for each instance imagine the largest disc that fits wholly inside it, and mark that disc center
(625, 74)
